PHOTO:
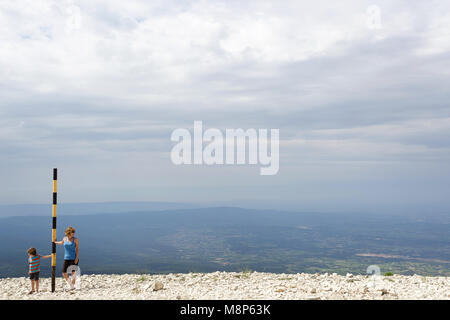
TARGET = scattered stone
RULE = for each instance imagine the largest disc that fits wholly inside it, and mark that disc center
(158, 286)
(226, 286)
(148, 286)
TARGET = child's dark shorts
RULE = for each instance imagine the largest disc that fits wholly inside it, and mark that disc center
(34, 276)
(68, 263)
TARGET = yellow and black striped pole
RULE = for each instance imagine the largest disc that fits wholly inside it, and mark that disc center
(55, 178)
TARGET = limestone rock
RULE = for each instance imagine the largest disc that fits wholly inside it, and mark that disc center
(233, 286)
(158, 286)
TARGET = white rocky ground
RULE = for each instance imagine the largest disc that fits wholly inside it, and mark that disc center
(229, 285)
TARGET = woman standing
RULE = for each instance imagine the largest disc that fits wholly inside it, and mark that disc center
(71, 254)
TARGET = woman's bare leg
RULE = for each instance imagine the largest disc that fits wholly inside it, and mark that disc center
(66, 277)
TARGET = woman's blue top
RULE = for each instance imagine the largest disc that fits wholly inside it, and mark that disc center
(70, 249)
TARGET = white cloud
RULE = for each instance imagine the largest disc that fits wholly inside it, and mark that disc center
(93, 79)
(140, 49)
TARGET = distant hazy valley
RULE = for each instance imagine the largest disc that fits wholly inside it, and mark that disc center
(168, 239)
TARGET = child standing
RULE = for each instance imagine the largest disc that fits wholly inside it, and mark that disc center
(34, 267)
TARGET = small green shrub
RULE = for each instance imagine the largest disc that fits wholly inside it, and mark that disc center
(247, 271)
(141, 279)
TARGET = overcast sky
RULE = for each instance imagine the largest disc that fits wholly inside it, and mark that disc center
(359, 90)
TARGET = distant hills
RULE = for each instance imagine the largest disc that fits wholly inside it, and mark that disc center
(231, 239)
(90, 208)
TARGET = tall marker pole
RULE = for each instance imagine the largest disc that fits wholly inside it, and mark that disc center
(55, 176)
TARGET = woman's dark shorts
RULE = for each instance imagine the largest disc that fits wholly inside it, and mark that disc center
(34, 276)
(68, 263)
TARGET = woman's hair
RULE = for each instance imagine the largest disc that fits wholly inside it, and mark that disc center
(70, 230)
(32, 251)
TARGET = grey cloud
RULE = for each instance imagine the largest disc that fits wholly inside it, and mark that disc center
(118, 101)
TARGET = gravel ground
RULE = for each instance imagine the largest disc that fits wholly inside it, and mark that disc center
(230, 285)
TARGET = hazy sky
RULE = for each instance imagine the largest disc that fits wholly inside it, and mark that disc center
(95, 88)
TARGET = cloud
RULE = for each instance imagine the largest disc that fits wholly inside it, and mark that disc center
(85, 83)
